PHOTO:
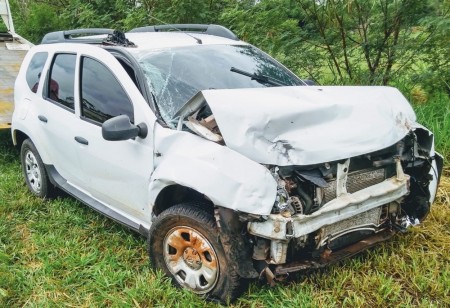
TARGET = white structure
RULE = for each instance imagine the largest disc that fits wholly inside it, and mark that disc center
(5, 12)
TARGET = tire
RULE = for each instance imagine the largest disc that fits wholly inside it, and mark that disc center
(184, 243)
(34, 171)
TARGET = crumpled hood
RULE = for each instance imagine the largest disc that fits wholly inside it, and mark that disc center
(308, 125)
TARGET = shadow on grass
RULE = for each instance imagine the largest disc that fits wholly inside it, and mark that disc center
(8, 153)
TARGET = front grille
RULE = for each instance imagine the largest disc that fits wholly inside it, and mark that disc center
(356, 181)
(369, 220)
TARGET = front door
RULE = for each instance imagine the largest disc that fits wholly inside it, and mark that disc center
(115, 172)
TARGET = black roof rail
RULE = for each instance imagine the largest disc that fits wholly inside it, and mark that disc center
(216, 30)
(70, 36)
(114, 37)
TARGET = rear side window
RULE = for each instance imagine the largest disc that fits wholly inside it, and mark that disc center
(102, 96)
(34, 70)
(60, 86)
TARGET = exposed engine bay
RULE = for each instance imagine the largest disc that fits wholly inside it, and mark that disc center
(304, 190)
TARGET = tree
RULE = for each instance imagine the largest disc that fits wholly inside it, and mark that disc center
(436, 51)
(363, 41)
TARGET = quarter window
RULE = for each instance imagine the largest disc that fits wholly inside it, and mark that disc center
(60, 86)
(102, 96)
(34, 70)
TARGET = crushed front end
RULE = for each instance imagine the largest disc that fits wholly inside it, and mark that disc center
(326, 212)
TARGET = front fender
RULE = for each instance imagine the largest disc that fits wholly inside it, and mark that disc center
(226, 177)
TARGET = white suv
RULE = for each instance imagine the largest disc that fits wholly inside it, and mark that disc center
(231, 165)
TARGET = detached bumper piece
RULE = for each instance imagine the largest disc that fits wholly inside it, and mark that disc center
(329, 257)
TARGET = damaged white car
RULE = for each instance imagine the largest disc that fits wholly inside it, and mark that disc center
(231, 165)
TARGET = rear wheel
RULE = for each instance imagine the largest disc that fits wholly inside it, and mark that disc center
(34, 171)
(184, 243)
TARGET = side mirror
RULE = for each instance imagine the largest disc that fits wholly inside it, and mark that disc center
(120, 128)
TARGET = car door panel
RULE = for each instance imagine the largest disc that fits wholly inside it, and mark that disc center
(58, 118)
(115, 172)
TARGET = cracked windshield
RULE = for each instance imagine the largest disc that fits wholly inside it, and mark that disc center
(176, 75)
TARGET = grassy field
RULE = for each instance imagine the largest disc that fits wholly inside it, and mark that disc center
(60, 253)
(435, 114)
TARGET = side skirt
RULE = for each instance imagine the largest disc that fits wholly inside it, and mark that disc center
(60, 182)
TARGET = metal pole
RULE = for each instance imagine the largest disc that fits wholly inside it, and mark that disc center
(5, 12)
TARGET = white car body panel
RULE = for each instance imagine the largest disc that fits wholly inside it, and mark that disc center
(91, 169)
(226, 177)
(309, 125)
(107, 165)
(164, 40)
(252, 137)
(27, 108)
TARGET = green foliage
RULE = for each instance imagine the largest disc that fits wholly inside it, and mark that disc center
(436, 51)
(435, 114)
(36, 19)
(262, 24)
(360, 41)
(351, 41)
(181, 11)
(333, 41)
(3, 28)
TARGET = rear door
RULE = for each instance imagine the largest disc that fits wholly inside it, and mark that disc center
(58, 116)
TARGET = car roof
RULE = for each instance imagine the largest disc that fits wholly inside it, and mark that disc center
(146, 38)
(163, 40)
(143, 42)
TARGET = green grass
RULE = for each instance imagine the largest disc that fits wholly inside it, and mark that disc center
(435, 114)
(60, 253)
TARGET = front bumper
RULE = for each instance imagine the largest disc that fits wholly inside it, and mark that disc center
(280, 228)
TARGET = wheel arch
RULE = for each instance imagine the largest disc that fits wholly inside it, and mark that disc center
(174, 194)
(219, 174)
(19, 137)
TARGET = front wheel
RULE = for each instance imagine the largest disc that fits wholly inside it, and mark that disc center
(184, 243)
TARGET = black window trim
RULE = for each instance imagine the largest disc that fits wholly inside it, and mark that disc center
(125, 56)
(80, 76)
(47, 78)
(122, 53)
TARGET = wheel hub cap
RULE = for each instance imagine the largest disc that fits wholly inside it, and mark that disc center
(33, 172)
(191, 259)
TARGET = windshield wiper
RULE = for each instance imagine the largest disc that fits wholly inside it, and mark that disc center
(258, 77)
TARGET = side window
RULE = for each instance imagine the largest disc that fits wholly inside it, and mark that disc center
(60, 86)
(34, 70)
(102, 96)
